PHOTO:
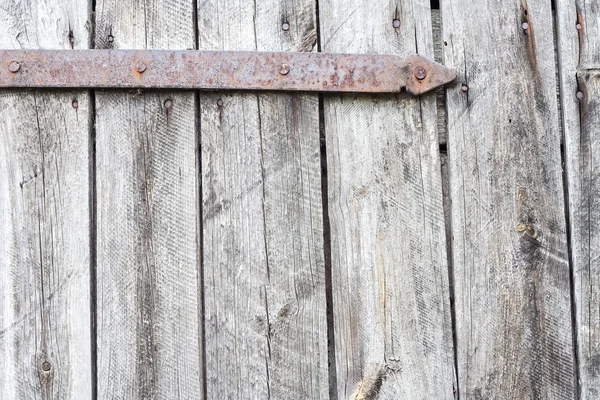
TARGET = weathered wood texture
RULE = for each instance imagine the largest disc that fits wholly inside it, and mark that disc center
(45, 349)
(389, 270)
(148, 277)
(266, 329)
(581, 48)
(510, 260)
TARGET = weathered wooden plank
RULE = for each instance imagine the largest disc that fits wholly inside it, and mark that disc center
(45, 324)
(266, 330)
(149, 303)
(510, 261)
(578, 31)
(389, 267)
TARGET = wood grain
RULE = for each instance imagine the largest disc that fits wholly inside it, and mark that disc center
(266, 329)
(578, 48)
(149, 302)
(510, 256)
(45, 324)
(390, 279)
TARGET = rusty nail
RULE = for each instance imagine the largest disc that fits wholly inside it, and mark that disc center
(140, 67)
(46, 366)
(420, 73)
(525, 26)
(75, 104)
(396, 23)
(284, 69)
(111, 38)
(579, 95)
(285, 26)
(464, 88)
(168, 103)
(14, 66)
(220, 103)
(578, 26)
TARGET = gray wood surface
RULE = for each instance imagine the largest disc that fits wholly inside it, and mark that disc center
(149, 327)
(45, 349)
(510, 256)
(389, 268)
(266, 329)
(580, 48)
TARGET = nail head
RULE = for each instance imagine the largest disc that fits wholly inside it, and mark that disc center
(168, 103)
(578, 26)
(220, 103)
(284, 69)
(525, 26)
(46, 366)
(464, 88)
(285, 26)
(140, 67)
(14, 66)
(75, 104)
(579, 95)
(420, 73)
(396, 23)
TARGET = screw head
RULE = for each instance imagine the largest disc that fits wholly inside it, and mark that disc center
(525, 26)
(420, 73)
(396, 23)
(168, 103)
(14, 66)
(579, 95)
(464, 88)
(284, 69)
(285, 26)
(140, 67)
(219, 103)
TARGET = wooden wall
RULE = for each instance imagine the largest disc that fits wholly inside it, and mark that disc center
(241, 245)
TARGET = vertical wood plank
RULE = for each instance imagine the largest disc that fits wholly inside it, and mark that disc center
(510, 256)
(578, 30)
(149, 314)
(266, 329)
(390, 279)
(45, 349)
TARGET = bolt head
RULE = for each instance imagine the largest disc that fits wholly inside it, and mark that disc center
(284, 69)
(14, 66)
(420, 73)
(140, 67)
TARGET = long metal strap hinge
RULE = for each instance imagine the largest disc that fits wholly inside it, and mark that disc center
(215, 70)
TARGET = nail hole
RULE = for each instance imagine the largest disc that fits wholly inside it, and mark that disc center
(111, 38)
(445, 43)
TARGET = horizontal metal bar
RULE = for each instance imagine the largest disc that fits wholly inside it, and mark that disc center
(240, 70)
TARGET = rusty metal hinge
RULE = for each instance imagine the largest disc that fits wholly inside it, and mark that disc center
(239, 70)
